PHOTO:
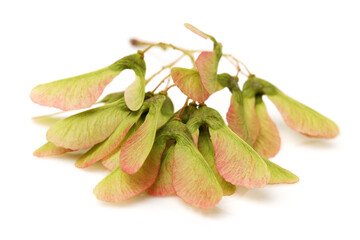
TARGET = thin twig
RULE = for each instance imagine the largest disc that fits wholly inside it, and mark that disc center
(164, 46)
(235, 64)
(167, 89)
(167, 84)
(163, 68)
(182, 109)
(161, 82)
(238, 61)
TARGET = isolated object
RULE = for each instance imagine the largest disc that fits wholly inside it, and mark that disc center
(192, 153)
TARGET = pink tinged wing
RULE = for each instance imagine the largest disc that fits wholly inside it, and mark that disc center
(50, 149)
(138, 146)
(279, 175)
(195, 137)
(103, 149)
(74, 93)
(163, 184)
(236, 117)
(268, 142)
(193, 180)
(189, 82)
(302, 118)
(251, 118)
(236, 161)
(119, 186)
(85, 129)
(112, 161)
(206, 149)
(207, 64)
(135, 94)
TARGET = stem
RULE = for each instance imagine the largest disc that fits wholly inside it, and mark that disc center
(163, 68)
(146, 49)
(161, 82)
(186, 52)
(238, 61)
(236, 65)
(182, 109)
(164, 46)
(167, 89)
(167, 84)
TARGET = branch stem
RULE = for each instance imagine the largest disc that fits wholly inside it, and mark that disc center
(182, 109)
(238, 62)
(163, 68)
(164, 46)
(161, 82)
(167, 89)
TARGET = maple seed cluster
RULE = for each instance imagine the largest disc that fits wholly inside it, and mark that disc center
(192, 153)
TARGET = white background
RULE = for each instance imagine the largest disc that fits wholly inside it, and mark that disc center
(309, 49)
